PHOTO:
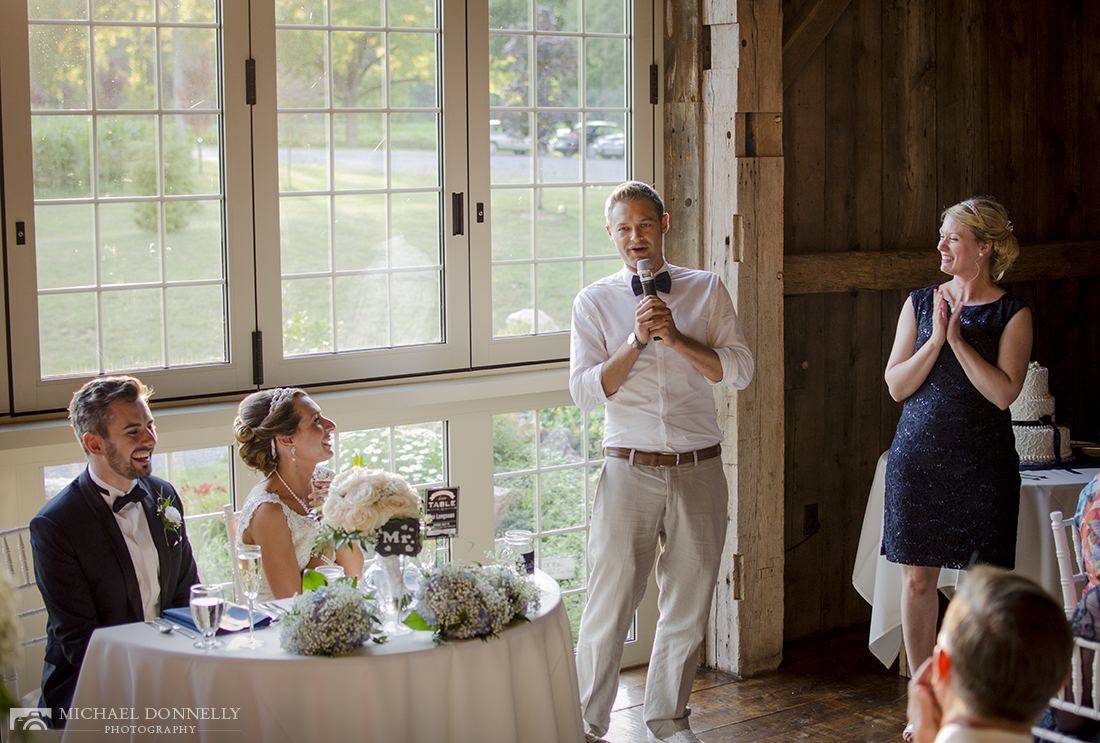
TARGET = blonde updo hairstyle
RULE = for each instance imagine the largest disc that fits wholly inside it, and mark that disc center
(988, 220)
(260, 418)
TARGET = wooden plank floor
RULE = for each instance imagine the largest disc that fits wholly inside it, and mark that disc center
(828, 688)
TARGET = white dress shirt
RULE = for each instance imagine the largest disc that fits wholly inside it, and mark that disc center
(665, 404)
(139, 540)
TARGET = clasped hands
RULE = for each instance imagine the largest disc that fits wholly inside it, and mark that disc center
(945, 328)
(653, 319)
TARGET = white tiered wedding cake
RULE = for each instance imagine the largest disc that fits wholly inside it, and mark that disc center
(1033, 421)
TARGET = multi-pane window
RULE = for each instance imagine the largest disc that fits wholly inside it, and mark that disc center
(403, 187)
(360, 199)
(417, 452)
(547, 463)
(126, 134)
(560, 120)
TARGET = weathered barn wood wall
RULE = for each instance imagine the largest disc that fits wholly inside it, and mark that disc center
(893, 110)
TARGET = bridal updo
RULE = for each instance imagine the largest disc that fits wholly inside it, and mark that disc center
(988, 220)
(260, 418)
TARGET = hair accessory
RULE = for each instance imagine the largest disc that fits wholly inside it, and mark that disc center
(277, 398)
(1008, 225)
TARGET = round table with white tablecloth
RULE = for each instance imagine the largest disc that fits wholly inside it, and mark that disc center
(519, 687)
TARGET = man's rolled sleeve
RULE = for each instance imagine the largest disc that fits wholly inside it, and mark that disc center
(728, 341)
(586, 358)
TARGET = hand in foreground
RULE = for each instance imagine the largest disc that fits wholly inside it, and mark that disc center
(316, 497)
(653, 319)
(923, 709)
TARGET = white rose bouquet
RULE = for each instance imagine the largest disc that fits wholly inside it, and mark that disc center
(360, 501)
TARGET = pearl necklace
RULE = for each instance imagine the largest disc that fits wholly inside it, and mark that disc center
(291, 491)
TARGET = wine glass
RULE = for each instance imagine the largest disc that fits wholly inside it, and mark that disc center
(207, 607)
(248, 568)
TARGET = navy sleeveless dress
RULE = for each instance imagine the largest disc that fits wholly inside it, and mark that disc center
(953, 478)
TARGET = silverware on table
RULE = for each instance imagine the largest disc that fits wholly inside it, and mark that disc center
(274, 610)
(162, 622)
(163, 629)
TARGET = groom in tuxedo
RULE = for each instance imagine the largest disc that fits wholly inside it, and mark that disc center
(111, 547)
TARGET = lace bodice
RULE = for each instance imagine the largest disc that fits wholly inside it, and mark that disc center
(303, 532)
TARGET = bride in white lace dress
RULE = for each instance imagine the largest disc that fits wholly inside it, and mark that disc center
(282, 433)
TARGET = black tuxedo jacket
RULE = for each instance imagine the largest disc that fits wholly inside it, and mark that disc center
(87, 578)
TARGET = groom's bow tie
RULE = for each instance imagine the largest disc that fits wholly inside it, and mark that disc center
(663, 282)
(135, 495)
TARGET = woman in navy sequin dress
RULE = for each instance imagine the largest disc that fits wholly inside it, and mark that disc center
(958, 361)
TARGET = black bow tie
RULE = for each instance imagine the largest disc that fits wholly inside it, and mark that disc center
(663, 282)
(135, 495)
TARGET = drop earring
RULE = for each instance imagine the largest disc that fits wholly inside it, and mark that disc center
(293, 452)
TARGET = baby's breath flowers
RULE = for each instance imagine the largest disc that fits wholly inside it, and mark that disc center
(331, 620)
(464, 601)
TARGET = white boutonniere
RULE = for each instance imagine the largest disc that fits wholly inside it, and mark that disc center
(170, 516)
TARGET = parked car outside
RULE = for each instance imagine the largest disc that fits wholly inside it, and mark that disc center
(610, 145)
(568, 142)
(501, 140)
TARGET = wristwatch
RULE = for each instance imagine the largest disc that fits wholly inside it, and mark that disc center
(635, 343)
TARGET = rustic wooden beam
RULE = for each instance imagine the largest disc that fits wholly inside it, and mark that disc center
(822, 273)
(805, 33)
(741, 189)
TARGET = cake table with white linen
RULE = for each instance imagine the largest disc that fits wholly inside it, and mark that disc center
(878, 581)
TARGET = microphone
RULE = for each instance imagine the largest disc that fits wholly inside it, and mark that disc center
(645, 276)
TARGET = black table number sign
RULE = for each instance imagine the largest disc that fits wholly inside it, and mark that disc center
(441, 506)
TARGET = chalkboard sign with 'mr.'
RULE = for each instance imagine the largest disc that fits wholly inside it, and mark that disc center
(399, 537)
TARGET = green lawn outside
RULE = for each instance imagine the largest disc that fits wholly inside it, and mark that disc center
(539, 240)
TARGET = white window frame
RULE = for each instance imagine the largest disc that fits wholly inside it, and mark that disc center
(490, 351)
(252, 224)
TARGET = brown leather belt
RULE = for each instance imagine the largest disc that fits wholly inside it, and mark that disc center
(662, 459)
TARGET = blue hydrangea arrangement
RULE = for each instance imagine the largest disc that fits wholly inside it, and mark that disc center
(331, 620)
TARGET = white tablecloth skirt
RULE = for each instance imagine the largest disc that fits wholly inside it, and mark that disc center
(879, 581)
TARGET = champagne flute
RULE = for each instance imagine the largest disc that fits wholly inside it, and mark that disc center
(207, 607)
(248, 568)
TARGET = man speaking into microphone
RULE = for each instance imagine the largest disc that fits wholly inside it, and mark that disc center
(652, 354)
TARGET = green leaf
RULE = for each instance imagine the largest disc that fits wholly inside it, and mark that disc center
(415, 621)
(312, 580)
(349, 580)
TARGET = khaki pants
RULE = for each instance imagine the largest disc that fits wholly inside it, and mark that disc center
(682, 511)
